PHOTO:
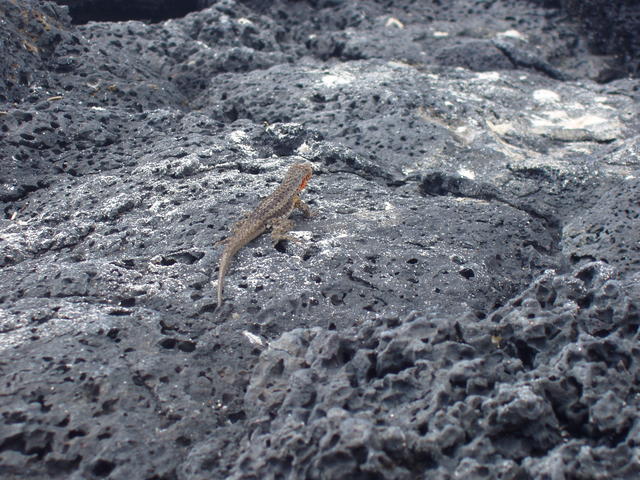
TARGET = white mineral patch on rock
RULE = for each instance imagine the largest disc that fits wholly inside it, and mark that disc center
(559, 125)
(545, 96)
(334, 80)
(512, 34)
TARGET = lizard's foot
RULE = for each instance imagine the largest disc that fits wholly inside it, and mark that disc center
(308, 213)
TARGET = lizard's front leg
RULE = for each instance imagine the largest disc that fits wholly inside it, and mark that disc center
(303, 207)
(279, 229)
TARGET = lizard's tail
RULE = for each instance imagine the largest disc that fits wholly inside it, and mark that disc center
(225, 262)
(220, 287)
(222, 271)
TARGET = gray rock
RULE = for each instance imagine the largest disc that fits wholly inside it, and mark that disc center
(464, 303)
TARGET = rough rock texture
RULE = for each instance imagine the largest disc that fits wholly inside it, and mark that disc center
(611, 28)
(464, 304)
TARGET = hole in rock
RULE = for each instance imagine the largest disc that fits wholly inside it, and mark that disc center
(186, 346)
(102, 468)
(467, 273)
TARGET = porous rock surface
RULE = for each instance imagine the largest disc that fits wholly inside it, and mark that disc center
(464, 303)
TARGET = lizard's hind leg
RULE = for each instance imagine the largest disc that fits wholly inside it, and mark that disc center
(279, 229)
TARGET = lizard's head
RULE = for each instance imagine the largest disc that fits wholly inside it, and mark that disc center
(302, 173)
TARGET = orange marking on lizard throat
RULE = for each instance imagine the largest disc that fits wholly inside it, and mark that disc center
(304, 182)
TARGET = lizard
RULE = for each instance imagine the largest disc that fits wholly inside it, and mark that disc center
(271, 213)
